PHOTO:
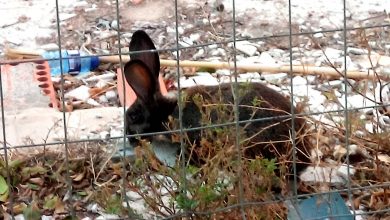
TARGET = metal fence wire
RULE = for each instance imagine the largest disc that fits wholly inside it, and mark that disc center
(230, 186)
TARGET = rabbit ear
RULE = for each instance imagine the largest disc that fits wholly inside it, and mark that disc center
(141, 41)
(141, 80)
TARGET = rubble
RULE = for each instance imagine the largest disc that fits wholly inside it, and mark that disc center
(83, 25)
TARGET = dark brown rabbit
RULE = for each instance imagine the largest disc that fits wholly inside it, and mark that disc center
(265, 112)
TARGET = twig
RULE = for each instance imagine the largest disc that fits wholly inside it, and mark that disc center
(103, 91)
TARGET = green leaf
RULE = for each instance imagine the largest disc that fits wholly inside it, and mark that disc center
(4, 197)
(50, 202)
(207, 194)
(114, 205)
(33, 186)
(82, 193)
(4, 190)
(15, 164)
(31, 213)
(3, 185)
(185, 203)
(33, 171)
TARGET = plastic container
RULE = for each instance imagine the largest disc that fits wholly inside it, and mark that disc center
(71, 62)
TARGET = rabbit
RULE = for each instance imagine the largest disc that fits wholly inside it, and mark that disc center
(151, 111)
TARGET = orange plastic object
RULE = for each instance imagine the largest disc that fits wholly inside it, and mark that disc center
(20, 85)
(43, 77)
(130, 95)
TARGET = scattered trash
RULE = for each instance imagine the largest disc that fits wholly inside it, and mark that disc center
(73, 62)
(265, 60)
(325, 206)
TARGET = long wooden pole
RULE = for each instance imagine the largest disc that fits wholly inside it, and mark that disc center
(298, 69)
(305, 70)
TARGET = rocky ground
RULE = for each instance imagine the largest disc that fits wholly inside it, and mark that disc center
(205, 27)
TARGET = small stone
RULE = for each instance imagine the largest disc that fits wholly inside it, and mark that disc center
(66, 16)
(317, 53)
(55, 79)
(186, 83)
(101, 83)
(93, 102)
(318, 35)
(206, 80)
(175, 53)
(93, 136)
(103, 23)
(172, 31)
(299, 81)
(250, 77)
(183, 44)
(50, 46)
(266, 58)
(19, 217)
(114, 24)
(351, 66)
(140, 207)
(218, 52)
(94, 208)
(115, 133)
(195, 37)
(133, 196)
(107, 76)
(344, 170)
(300, 21)
(188, 41)
(105, 135)
(333, 53)
(335, 83)
(104, 216)
(336, 35)
(384, 158)
(357, 51)
(356, 101)
(103, 99)
(213, 46)
(321, 175)
(384, 70)
(296, 50)
(311, 79)
(246, 47)
(80, 93)
(275, 78)
(111, 95)
(276, 53)
(318, 63)
(84, 137)
(199, 54)
(223, 72)
(307, 60)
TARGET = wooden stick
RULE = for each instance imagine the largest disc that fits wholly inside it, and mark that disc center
(305, 70)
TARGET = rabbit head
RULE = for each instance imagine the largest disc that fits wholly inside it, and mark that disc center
(151, 109)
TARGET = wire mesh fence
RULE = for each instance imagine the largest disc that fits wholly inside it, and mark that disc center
(243, 152)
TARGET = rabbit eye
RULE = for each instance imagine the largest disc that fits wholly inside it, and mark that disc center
(135, 118)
